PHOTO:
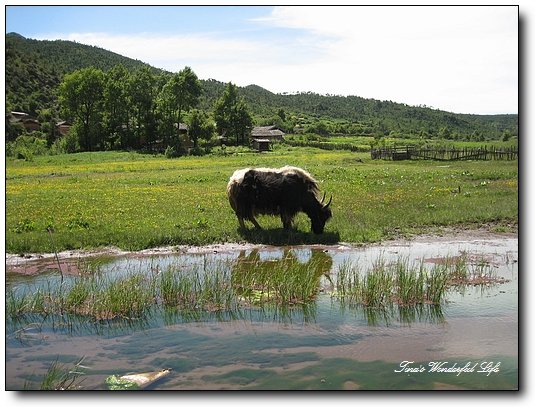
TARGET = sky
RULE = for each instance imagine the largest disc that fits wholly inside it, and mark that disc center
(462, 59)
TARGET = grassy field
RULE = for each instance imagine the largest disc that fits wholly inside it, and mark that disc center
(136, 201)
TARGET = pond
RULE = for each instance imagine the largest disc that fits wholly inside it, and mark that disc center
(262, 336)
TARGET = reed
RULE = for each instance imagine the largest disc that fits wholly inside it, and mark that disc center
(25, 303)
(128, 298)
(437, 283)
(285, 281)
(60, 377)
(377, 286)
(248, 282)
(207, 288)
(404, 284)
(410, 282)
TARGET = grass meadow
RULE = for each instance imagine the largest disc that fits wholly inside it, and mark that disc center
(135, 201)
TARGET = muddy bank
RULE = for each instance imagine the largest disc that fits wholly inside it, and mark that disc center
(70, 260)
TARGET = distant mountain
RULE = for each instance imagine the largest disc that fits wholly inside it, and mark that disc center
(35, 68)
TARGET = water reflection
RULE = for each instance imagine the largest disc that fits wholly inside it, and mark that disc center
(290, 270)
(283, 285)
(394, 314)
(287, 327)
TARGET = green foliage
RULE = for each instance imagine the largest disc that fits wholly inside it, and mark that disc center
(142, 103)
(401, 283)
(232, 116)
(60, 377)
(66, 144)
(170, 152)
(81, 95)
(26, 147)
(116, 109)
(200, 127)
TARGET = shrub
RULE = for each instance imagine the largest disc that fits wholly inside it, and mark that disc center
(170, 152)
(66, 144)
(25, 147)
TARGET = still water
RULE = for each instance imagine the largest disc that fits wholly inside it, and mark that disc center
(470, 341)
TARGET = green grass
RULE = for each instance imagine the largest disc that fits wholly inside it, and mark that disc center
(407, 284)
(193, 290)
(60, 377)
(246, 283)
(136, 201)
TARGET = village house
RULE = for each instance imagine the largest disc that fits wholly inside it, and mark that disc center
(29, 123)
(263, 136)
(63, 127)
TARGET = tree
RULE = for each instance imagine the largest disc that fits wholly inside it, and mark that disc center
(180, 94)
(117, 110)
(81, 97)
(48, 125)
(199, 127)
(185, 89)
(232, 115)
(141, 93)
(444, 133)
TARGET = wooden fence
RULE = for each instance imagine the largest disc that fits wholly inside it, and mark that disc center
(445, 154)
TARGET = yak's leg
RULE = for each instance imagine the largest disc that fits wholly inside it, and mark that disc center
(252, 219)
(242, 223)
(286, 220)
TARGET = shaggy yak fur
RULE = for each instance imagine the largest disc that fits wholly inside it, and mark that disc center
(277, 191)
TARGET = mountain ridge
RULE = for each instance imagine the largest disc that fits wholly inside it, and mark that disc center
(34, 69)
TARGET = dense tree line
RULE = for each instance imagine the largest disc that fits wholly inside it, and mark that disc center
(144, 112)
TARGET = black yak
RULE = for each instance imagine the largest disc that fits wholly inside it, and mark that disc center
(277, 191)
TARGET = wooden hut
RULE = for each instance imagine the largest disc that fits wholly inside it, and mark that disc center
(262, 144)
(271, 133)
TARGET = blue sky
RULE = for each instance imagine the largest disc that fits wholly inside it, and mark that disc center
(459, 59)
(38, 20)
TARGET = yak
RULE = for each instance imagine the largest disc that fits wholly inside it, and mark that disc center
(277, 191)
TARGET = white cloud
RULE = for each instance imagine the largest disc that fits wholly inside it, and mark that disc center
(461, 59)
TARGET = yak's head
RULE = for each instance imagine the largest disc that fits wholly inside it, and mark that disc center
(322, 216)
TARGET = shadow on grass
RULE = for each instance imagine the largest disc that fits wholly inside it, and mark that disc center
(283, 237)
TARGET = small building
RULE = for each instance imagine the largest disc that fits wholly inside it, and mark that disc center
(28, 122)
(18, 116)
(262, 144)
(63, 127)
(271, 133)
(31, 125)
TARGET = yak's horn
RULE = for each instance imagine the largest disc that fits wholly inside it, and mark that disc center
(328, 203)
(323, 199)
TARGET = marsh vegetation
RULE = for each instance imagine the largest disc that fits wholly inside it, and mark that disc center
(247, 282)
(191, 312)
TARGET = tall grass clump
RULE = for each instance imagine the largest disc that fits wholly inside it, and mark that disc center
(129, 297)
(410, 282)
(61, 377)
(283, 282)
(18, 305)
(377, 286)
(96, 296)
(400, 282)
(207, 289)
(437, 283)
(348, 282)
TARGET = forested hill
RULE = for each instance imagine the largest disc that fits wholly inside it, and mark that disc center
(35, 68)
